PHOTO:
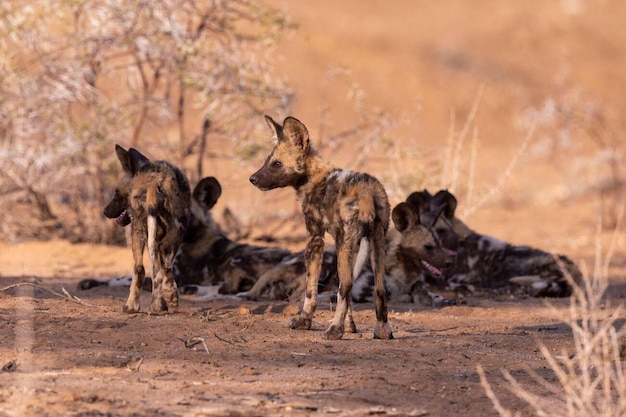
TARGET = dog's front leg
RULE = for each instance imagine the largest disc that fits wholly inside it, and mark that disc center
(138, 243)
(313, 260)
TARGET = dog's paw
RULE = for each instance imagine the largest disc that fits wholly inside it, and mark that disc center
(352, 326)
(247, 295)
(300, 323)
(383, 331)
(334, 332)
(130, 308)
(158, 306)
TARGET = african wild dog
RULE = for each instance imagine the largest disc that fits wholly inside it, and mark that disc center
(413, 250)
(351, 206)
(155, 199)
(488, 263)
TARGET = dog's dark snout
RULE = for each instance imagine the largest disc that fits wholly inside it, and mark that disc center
(254, 179)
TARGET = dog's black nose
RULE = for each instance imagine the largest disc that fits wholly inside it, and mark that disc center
(254, 179)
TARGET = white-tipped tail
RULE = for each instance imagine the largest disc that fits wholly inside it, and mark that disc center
(152, 228)
(361, 257)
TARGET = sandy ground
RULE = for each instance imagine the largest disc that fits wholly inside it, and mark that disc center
(83, 357)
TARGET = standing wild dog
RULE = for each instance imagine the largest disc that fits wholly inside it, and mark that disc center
(155, 199)
(351, 206)
(488, 263)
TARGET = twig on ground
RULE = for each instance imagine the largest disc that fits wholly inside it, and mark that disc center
(65, 295)
(196, 341)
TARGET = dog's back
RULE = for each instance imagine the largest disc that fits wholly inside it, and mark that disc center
(161, 190)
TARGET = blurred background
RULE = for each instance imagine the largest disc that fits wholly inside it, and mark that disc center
(516, 107)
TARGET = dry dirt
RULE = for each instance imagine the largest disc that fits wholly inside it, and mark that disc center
(83, 357)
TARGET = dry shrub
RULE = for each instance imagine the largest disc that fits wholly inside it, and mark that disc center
(591, 381)
(79, 77)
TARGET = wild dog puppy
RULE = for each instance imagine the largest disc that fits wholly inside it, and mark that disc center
(351, 206)
(489, 263)
(155, 199)
(414, 250)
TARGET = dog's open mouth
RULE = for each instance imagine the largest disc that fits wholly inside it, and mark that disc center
(430, 268)
(123, 219)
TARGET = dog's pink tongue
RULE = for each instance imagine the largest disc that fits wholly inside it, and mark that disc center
(120, 218)
(435, 271)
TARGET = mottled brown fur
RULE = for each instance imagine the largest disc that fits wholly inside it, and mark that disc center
(350, 206)
(154, 198)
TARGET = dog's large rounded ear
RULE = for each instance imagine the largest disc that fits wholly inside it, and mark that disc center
(122, 155)
(404, 216)
(207, 192)
(446, 198)
(137, 160)
(420, 200)
(438, 212)
(277, 130)
(296, 133)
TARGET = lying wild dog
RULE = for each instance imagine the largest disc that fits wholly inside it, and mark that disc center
(155, 199)
(351, 206)
(414, 250)
(488, 263)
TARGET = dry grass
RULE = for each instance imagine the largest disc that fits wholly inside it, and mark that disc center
(591, 380)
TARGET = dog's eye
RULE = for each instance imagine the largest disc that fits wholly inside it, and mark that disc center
(429, 247)
(277, 164)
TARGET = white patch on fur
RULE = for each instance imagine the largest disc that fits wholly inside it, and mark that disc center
(471, 261)
(526, 280)
(207, 293)
(490, 243)
(121, 281)
(290, 260)
(342, 175)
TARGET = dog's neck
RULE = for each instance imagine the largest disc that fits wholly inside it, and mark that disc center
(315, 168)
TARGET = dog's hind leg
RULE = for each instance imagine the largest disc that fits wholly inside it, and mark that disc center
(359, 263)
(139, 273)
(169, 287)
(345, 250)
(382, 329)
